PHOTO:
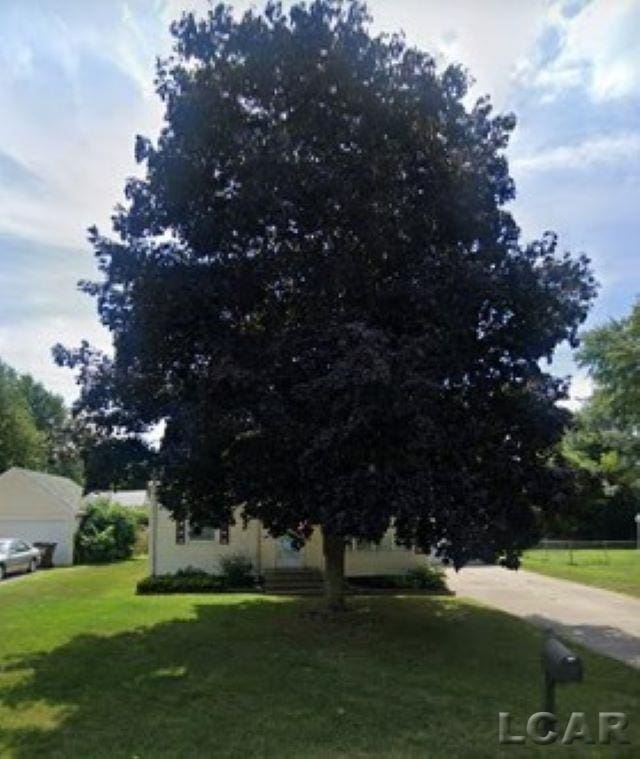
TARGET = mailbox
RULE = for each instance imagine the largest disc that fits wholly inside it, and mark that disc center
(560, 664)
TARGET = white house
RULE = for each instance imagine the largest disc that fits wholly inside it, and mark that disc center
(40, 507)
(174, 546)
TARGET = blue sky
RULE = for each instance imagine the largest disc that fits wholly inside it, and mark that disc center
(77, 85)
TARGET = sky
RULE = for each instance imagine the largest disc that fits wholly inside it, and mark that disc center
(77, 86)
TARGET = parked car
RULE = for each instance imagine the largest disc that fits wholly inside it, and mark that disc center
(17, 556)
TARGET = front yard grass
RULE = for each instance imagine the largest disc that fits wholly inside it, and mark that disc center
(612, 569)
(88, 669)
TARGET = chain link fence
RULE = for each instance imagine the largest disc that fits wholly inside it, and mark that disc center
(582, 552)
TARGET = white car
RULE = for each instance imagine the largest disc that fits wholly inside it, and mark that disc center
(17, 556)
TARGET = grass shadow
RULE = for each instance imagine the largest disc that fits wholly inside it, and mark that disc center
(394, 677)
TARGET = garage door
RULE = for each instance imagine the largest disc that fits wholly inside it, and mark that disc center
(45, 531)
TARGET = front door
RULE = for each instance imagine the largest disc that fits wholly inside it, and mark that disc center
(287, 555)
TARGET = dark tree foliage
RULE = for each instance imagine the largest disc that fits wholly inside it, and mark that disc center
(318, 287)
(117, 464)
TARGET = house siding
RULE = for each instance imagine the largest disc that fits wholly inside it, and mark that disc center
(166, 556)
(29, 512)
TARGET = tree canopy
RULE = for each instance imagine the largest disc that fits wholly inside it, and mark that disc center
(611, 353)
(603, 444)
(318, 287)
(21, 443)
(605, 456)
(113, 463)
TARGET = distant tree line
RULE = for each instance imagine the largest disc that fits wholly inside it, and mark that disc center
(603, 443)
(37, 431)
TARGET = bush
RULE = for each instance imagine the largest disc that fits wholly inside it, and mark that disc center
(190, 580)
(107, 532)
(141, 547)
(237, 571)
(427, 578)
(421, 578)
(140, 514)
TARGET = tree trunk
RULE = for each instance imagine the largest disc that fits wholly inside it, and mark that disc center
(333, 549)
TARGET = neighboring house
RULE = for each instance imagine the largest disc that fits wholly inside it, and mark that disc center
(173, 546)
(132, 499)
(40, 507)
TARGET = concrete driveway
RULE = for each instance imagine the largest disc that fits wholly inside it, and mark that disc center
(606, 622)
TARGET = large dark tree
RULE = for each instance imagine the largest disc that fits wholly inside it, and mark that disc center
(318, 287)
(116, 463)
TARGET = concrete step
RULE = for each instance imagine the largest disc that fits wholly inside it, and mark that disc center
(300, 585)
(293, 581)
(310, 576)
(289, 571)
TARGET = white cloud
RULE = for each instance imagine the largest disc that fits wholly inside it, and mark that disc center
(488, 37)
(27, 347)
(81, 149)
(598, 151)
(598, 49)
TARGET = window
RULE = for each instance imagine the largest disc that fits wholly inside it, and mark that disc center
(359, 544)
(210, 534)
(386, 544)
(202, 533)
(185, 533)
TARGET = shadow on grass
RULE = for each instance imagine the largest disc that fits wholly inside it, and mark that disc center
(605, 639)
(402, 677)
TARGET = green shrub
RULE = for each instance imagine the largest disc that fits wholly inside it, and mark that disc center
(140, 514)
(107, 532)
(427, 578)
(237, 571)
(141, 547)
(190, 580)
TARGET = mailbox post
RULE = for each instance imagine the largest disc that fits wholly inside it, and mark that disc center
(560, 665)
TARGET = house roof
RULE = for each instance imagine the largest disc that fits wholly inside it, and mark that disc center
(130, 498)
(63, 489)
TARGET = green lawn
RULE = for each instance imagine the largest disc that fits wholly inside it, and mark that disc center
(614, 569)
(88, 669)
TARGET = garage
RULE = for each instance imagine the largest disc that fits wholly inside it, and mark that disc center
(39, 507)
